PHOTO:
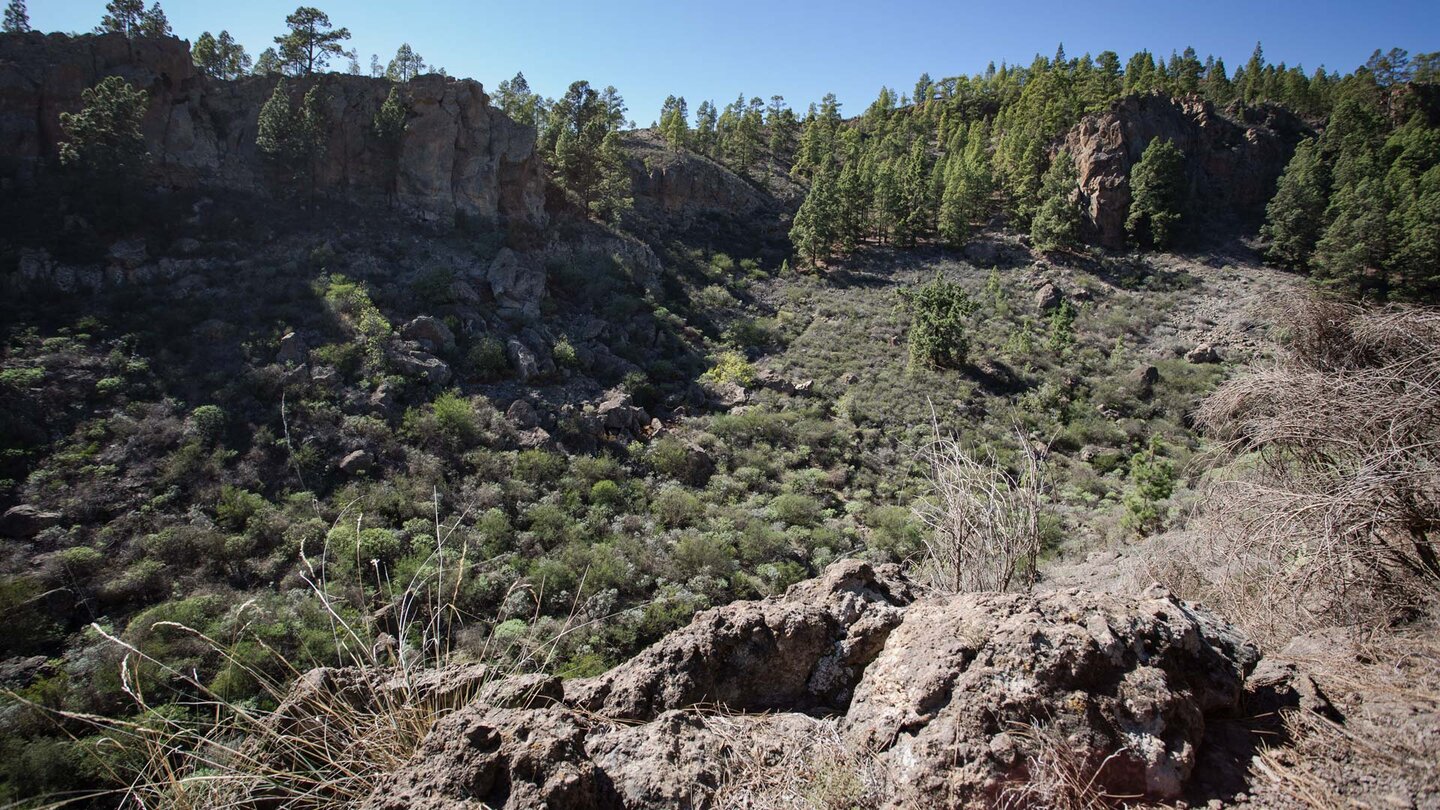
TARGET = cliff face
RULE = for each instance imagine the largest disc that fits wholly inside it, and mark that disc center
(458, 154)
(1231, 165)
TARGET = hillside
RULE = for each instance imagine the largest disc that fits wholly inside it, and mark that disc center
(456, 465)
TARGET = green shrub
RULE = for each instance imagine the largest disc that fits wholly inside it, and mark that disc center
(488, 359)
(730, 367)
(209, 422)
(795, 510)
(539, 466)
(563, 353)
(938, 312)
(675, 507)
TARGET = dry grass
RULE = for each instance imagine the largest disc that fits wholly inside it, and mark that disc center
(793, 763)
(334, 732)
(983, 521)
(1331, 513)
(1057, 777)
(1386, 752)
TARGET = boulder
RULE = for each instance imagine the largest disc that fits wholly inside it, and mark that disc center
(488, 757)
(293, 350)
(416, 364)
(1204, 353)
(522, 414)
(1142, 380)
(518, 283)
(804, 650)
(618, 415)
(431, 333)
(1048, 298)
(24, 521)
(1123, 685)
(522, 359)
(357, 463)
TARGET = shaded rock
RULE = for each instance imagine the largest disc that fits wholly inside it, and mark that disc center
(416, 364)
(26, 520)
(806, 649)
(522, 414)
(518, 283)
(725, 395)
(1048, 298)
(382, 399)
(357, 463)
(293, 350)
(522, 359)
(431, 333)
(676, 761)
(1142, 381)
(996, 375)
(1125, 683)
(505, 759)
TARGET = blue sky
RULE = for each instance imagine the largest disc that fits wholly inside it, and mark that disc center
(649, 48)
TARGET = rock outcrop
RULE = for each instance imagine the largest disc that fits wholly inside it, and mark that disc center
(943, 702)
(1231, 164)
(457, 156)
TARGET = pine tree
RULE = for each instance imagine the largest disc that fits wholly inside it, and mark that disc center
(406, 65)
(1057, 223)
(954, 221)
(674, 122)
(103, 140)
(613, 192)
(17, 19)
(516, 100)
(938, 313)
(311, 43)
(154, 23)
(815, 229)
(389, 122)
(268, 64)
(205, 53)
(1295, 216)
(376, 71)
(122, 17)
(1252, 90)
(705, 122)
(1157, 193)
(291, 139)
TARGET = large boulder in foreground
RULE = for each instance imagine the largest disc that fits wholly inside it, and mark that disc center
(1124, 685)
(942, 702)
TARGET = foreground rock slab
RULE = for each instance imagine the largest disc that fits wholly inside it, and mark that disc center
(920, 702)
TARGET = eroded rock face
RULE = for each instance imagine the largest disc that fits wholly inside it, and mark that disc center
(1231, 165)
(1127, 683)
(458, 155)
(804, 650)
(942, 699)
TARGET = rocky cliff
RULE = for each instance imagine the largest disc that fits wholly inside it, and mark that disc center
(965, 701)
(1231, 163)
(458, 155)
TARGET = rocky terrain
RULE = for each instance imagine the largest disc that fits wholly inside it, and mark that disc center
(956, 701)
(640, 489)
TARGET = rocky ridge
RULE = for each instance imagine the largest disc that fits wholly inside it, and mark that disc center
(1232, 164)
(457, 156)
(947, 699)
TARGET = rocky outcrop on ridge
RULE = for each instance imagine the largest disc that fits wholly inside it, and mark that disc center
(458, 155)
(1232, 164)
(946, 699)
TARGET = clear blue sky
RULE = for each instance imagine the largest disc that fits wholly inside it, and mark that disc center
(802, 50)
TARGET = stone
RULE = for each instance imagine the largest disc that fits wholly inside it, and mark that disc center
(1048, 298)
(1123, 682)
(803, 650)
(431, 333)
(1232, 165)
(459, 156)
(522, 414)
(416, 364)
(1203, 353)
(1142, 380)
(293, 350)
(522, 359)
(618, 415)
(518, 283)
(24, 521)
(357, 462)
